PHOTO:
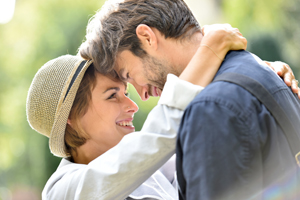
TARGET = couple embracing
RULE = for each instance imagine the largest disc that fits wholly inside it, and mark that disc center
(212, 111)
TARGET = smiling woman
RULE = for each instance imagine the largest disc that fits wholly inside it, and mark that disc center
(7, 9)
(93, 109)
(88, 119)
(107, 117)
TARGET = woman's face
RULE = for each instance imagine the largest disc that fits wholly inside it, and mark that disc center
(109, 116)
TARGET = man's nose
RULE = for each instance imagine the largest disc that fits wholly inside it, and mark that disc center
(141, 90)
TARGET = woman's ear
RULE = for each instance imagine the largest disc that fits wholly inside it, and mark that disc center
(147, 37)
(69, 122)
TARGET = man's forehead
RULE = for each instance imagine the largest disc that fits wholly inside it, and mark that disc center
(120, 62)
(119, 73)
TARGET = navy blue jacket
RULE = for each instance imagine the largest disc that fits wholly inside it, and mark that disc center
(229, 146)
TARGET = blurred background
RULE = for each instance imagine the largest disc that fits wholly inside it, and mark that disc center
(33, 32)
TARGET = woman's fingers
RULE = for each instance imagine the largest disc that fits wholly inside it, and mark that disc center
(294, 86)
(284, 70)
(226, 33)
(270, 65)
(287, 77)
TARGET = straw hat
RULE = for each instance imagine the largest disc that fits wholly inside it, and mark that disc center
(50, 98)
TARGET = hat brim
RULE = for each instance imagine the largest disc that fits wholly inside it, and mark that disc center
(57, 135)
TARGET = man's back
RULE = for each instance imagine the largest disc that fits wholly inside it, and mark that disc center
(230, 146)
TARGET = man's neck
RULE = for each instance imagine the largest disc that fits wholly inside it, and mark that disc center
(180, 52)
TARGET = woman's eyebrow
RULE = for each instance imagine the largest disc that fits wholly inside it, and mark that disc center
(113, 88)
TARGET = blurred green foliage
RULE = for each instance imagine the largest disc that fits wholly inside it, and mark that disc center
(270, 26)
(43, 30)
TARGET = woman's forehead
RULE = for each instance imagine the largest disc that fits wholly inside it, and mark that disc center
(107, 81)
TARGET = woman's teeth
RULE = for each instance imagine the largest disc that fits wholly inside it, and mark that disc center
(125, 124)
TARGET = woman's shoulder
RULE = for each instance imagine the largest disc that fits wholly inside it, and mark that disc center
(61, 178)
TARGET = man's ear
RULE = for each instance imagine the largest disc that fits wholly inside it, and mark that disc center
(147, 37)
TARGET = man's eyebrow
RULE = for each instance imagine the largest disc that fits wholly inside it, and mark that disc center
(120, 73)
(112, 88)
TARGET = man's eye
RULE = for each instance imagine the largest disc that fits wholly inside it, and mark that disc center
(127, 75)
(112, 96)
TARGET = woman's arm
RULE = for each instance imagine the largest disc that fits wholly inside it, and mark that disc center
(120, 170)
(217, 41)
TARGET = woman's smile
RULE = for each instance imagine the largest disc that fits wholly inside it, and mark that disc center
(127, 123)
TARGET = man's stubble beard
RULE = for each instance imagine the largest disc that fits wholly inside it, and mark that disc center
(156, 71)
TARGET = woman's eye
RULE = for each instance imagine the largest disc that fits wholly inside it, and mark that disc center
(112, 96)
(127, 94)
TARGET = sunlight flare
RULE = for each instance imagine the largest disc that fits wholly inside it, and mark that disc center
(7, 8)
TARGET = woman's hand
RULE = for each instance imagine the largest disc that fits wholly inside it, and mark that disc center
(284, 71)
(222, 38)
(218, 39)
